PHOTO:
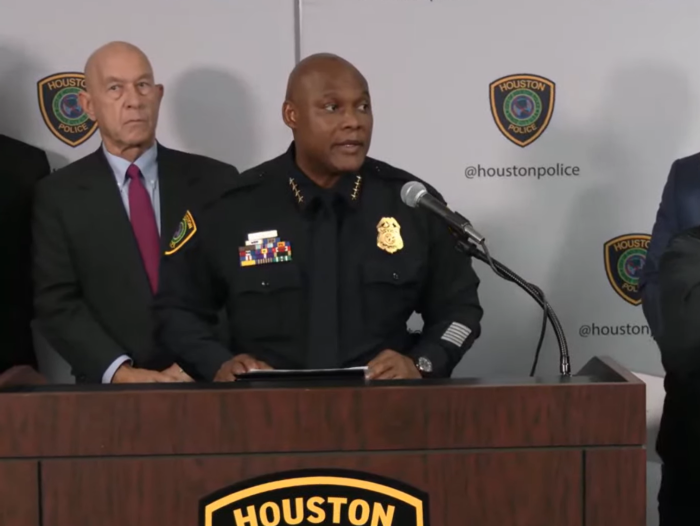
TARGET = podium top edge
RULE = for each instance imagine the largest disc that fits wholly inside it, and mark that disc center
(241, 386)
(597, 371)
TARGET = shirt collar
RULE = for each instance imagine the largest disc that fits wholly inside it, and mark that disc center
(146, 163)
(305, 192)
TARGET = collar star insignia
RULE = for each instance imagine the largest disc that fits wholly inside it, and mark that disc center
(295, 189)
(356, 188)
(300, 197)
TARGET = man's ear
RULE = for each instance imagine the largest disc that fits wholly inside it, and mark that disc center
(85, 100)
(289, 114)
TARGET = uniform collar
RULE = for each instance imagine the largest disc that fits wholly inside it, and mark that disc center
(308, 194)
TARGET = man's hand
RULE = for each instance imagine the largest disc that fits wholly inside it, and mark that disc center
(390, 365)
(126, 374)
(238, 365)
(176, 372)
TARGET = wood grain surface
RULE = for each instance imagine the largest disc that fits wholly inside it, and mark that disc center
(19, 493)
(518, 488)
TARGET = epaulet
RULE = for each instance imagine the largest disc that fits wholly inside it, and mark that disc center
(384, 170)
(254, 176)
(387, 171)
(229, 188)
(245, 180)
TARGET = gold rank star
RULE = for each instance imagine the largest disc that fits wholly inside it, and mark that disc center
(356, 188)
(295, 189)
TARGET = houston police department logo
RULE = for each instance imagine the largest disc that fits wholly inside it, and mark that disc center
(61, 110)
(624, 261)
(319, 497)
(522, 106)
(185, 230)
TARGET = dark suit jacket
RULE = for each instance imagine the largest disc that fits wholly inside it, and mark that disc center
(679, 210)
(93, 300)
(679, 302)
(21, 166)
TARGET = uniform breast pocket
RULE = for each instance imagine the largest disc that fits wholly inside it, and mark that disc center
(391, 290)
(267, 301)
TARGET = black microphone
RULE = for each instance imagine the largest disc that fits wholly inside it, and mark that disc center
(415, 194)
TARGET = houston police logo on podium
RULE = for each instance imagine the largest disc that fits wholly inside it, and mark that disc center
(625, 256)
(319, 497)
(522, 106)
(61, 110)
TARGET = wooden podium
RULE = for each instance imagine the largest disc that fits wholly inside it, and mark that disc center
(530, 452)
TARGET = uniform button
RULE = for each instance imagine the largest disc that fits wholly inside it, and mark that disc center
(395, 276)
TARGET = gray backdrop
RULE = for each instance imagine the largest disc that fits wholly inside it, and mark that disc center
(626, 81)
(625, 106)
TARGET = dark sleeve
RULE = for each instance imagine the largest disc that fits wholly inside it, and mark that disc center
(679, 300)
(40, 167)
(63, 317)
(16, 301)
(186, 309)
(449, 305)
(665, 226)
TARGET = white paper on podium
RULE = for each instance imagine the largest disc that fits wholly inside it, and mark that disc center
(352, 372)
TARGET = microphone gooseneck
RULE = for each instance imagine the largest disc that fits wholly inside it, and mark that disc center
(414, 194)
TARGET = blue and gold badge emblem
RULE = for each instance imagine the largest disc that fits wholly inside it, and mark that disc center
(522, 106)
(61, 109)
(625, 257)
(185, 230)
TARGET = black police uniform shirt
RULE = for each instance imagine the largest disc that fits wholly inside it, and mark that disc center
(313, 277)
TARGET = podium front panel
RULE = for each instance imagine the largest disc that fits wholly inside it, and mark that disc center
(490, 488)
(19, 493)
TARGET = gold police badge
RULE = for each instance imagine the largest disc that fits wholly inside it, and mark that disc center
(389, 235)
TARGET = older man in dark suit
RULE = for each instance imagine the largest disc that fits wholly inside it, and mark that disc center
(102, 223)
(22, 166)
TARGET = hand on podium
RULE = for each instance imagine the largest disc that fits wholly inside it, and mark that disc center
(239, 364)
(176, 372)
(126, 374)
(390, 365)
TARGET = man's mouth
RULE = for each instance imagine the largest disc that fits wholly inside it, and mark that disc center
(350, 145)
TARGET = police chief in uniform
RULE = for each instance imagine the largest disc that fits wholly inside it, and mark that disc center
(315, 257)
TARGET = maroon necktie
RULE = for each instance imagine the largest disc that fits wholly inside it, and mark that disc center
(143, 221)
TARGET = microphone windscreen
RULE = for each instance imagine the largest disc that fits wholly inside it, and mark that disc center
(412, 192)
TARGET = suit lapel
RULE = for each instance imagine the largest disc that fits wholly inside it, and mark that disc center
(106, 216)
(174, 183)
